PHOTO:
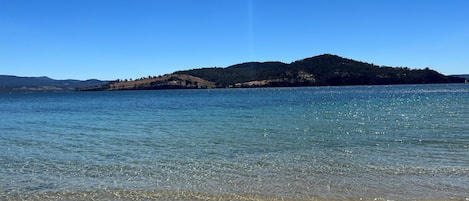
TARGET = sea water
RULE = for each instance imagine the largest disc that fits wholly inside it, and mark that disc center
(360, 142)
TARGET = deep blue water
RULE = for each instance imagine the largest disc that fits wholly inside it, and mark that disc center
(392, 142)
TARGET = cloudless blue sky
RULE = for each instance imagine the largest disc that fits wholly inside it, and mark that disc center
(111, 39)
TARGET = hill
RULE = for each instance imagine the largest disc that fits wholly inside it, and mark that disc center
(10, 83)
(170, 81)
(322, 70)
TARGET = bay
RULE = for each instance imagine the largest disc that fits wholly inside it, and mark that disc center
(359, 142)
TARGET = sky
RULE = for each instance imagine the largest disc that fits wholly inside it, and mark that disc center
(120, 39)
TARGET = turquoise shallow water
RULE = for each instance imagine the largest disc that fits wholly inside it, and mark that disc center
(392, 142)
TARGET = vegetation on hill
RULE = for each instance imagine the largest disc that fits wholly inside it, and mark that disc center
(322, 70)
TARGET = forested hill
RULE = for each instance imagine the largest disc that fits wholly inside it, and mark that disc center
(322, 70)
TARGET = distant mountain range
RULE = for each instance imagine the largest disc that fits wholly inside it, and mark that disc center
(322, 70)
(9, 83)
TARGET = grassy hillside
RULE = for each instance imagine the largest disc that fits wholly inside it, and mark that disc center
(171, 81)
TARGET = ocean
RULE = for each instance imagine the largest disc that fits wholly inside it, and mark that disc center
(398, 142)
